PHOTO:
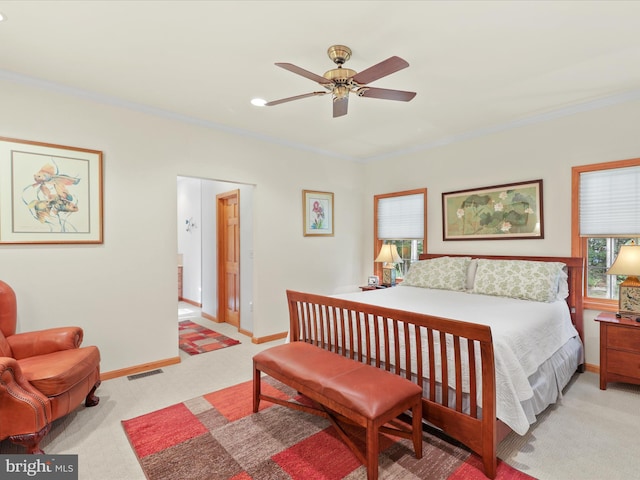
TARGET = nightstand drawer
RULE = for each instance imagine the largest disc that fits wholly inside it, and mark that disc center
(619, 349)
(623, 363)
(623, 338)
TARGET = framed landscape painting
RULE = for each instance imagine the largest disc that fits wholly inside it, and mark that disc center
(49, 194)
(501, 212)
(318, 213)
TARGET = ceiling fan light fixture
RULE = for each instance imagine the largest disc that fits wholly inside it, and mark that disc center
(340, 92)
(258, 102)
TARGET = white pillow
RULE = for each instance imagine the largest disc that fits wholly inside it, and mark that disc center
(471, 273)
(563, 285)
(524, 279)
(444, 273)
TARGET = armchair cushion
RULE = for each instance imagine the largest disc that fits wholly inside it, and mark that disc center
(42, 342)
(58, 372)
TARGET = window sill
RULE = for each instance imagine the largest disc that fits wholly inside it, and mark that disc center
(600, 304)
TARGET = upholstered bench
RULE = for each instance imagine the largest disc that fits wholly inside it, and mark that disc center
(344, 390)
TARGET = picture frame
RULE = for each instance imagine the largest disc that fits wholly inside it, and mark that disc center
(373, 281)
(501, 212)
(317, 210)
(629, 299)
(49, 194)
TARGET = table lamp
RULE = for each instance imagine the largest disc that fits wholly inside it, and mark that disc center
(628, 263)
(389, 256)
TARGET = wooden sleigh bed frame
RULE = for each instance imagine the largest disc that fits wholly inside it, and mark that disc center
(371, 334)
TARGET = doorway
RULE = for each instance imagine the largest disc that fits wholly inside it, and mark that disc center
(198, 200)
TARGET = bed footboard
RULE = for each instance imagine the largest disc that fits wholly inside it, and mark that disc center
(449, 359)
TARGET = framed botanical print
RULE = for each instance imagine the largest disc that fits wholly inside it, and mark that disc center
(500, 212)
(317, 213)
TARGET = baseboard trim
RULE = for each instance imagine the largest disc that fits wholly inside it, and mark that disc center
(209, 317)
(589, 367)
(191, 302)
(244, 332)
(269, 338)
(247, 333)
(123, 372)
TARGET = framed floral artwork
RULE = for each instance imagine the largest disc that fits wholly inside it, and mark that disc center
(317, 210)
(49, 193)
(502, 212)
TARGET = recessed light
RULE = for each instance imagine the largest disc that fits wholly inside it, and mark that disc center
(258, 102)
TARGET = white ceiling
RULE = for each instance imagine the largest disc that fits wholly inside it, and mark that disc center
(477, 66)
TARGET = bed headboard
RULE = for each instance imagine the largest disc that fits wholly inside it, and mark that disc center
(574, 265)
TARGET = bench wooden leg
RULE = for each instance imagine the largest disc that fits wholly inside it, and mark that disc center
(256, 389)
(416, 414)
(372, 450)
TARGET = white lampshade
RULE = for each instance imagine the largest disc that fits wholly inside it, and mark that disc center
(627, 262)
(388, 254)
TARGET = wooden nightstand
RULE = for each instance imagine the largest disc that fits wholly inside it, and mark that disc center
(619, 349)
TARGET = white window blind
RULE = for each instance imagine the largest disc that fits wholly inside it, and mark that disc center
(401, 217)
(610, 202)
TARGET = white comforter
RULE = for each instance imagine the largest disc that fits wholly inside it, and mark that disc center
(525, 334)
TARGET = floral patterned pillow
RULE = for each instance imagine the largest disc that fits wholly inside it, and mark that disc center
(445, 273)
(524, 279)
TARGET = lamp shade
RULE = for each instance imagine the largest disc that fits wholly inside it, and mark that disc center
(627, 262)
(388, 254)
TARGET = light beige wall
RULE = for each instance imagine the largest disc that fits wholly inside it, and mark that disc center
(545, 150)
(123, 293)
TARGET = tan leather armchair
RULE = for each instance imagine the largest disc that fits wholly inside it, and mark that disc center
(44, 375)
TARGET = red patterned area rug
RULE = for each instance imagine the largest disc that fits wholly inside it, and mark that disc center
(195, 339)
(217, 436)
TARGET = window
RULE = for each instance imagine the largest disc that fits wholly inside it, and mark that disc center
(606, 215)
(400, 218)
(601, 252)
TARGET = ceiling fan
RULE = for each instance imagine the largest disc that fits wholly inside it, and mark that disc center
(341, 81)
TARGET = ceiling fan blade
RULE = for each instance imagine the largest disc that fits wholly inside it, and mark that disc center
(382, 69)
(386, 94)
(290, 99)
(340, 106)
(305, 73)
